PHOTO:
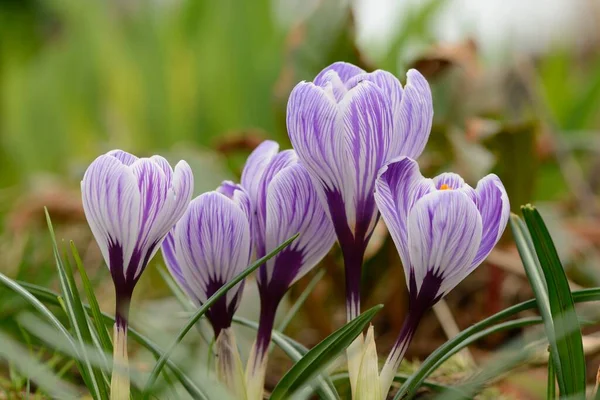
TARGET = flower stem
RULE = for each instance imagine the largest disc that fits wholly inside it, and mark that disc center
(397, 354)
(257, 362)
(119, 384)
(229, 365)
(353, 259)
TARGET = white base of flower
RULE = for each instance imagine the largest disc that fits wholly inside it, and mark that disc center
(354, 354)
(367, 386)
(229, 365)
(255, 374)
(119, 383)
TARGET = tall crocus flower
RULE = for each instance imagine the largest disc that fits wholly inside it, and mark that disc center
(443, 229)
(131, 204)
(285, 203)
(208, 247)
(345, 125)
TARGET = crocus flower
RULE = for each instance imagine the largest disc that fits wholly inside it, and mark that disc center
(345, 125)
(443, 229)
(285, 203)
(131, 204)
(208, 247)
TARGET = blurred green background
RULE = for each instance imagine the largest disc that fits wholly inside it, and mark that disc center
(516, 92)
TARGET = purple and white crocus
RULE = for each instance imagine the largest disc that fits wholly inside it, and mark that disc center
(131, 204)
(346, 125)
(443, 229)
(285, 203)
(209, 246)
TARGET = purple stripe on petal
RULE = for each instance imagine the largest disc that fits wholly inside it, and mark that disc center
(367, 132)
(123, 156)
(172, 263)
(256, 164)
(153, 196)
(293, 207)
(444, 233)
(343, 70)
(493, 204)
(312, 128)
(111, 204)
(416, 115)
(448, 181)
(398, 188)
(165, 167)
(278, 162)
(212, 242)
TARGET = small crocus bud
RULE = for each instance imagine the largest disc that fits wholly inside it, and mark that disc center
(443, 229)
(285, 203)
(131, 204)
(208, 247)
(345, 125)
(368, 386)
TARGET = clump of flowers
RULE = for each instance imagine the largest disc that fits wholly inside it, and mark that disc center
(355, 137)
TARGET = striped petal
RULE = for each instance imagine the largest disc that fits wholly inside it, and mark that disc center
(444, 234)
(398, 188)
(492, 202)
(367, 131)
(312, 128)
(123, 156)
(172, 263)
(278, 162)
(343, 70)
(452, 181)
(255, 165)
(293, 207)
(240, 196)
(111, 202)
(212, 242)
(415, 115)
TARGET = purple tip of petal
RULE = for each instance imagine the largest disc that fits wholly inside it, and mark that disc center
(448, 181)
(493, 204)
(123, 156)
(415, 115)
(344, 70)
(228, 188)
(256, 164)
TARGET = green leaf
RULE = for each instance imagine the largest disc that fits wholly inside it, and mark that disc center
(551, 385)
(202, 310)
(432, 362)
(103, 335)
(438, 387)
(295, 351)
(39, 372)
(321, 355)
(92, 376)
(51, 297)
(566, 344)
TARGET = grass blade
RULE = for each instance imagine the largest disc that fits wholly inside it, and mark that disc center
(92, 376)
(551, 385)
(432, 362)
(202, 310)
(51, 297)
(40, 373)
(101, 330)
(321, 355)
(567, 348)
